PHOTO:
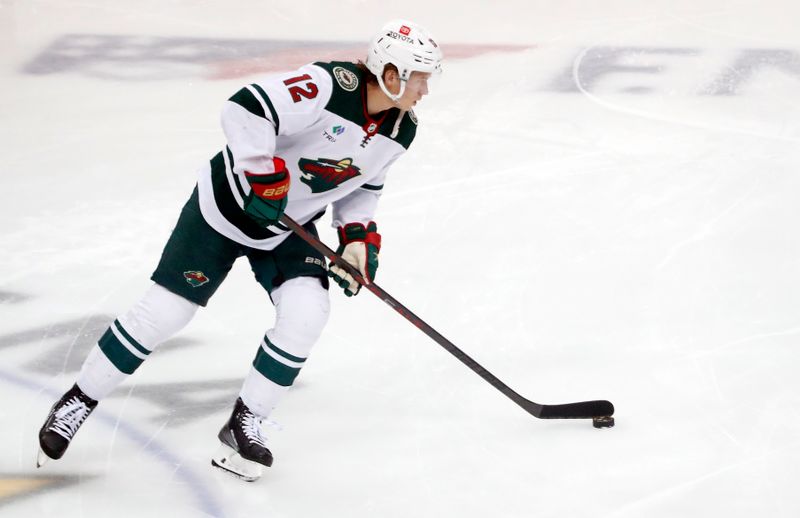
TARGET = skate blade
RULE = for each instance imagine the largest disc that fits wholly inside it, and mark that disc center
(229, 461)
(41, 458)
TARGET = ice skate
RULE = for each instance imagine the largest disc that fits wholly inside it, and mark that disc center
(63, 422)
(243, 452)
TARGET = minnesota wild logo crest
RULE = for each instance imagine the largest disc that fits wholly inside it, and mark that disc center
(324, 174)
(195, 278)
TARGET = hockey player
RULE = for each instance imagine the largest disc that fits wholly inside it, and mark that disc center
(325, 134)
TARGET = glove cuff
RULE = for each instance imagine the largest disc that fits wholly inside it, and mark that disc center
(353, 232)
(270, 186)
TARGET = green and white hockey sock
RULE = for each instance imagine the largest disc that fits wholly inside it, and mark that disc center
(301, 308)
(131, 338)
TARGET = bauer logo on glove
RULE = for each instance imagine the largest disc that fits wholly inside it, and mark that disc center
(267, 199)
(275, 193)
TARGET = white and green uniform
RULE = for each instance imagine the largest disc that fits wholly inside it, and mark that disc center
(315, 119)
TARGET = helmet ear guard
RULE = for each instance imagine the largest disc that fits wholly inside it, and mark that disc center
(407, 46)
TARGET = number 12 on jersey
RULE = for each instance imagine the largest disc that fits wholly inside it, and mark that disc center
(306, 89)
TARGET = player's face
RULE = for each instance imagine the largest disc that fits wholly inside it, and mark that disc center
(416, 89)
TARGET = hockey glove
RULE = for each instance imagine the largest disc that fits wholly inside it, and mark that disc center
(267, 199)
(359, 246)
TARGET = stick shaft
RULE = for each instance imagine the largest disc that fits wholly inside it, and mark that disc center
(586, 409)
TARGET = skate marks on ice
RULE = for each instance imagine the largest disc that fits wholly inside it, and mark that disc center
(183, 402)
(61, 347)
(705, 229)
(50, 350)
(58, 347)
(195, 484)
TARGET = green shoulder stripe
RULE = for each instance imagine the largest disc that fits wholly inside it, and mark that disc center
(269, 105)
(248, 101)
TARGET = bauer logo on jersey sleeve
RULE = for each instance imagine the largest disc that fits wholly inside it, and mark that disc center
(195, 278)
(346, 79)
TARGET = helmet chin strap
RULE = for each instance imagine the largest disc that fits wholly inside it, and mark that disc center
(395, 98)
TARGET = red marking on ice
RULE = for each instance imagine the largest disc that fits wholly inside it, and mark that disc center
(290, 59)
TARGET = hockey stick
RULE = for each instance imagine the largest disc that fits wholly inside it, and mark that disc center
(596, 410)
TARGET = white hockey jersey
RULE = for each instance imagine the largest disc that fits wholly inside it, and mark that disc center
(314, 118)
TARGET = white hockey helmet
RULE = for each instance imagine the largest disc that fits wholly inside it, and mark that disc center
(408, 47)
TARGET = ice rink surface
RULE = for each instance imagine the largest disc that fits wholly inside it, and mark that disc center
(601, 202)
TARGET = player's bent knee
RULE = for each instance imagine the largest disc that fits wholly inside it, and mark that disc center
(302, 309)
(157, 316)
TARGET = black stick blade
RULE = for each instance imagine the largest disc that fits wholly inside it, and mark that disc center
(582, 410)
